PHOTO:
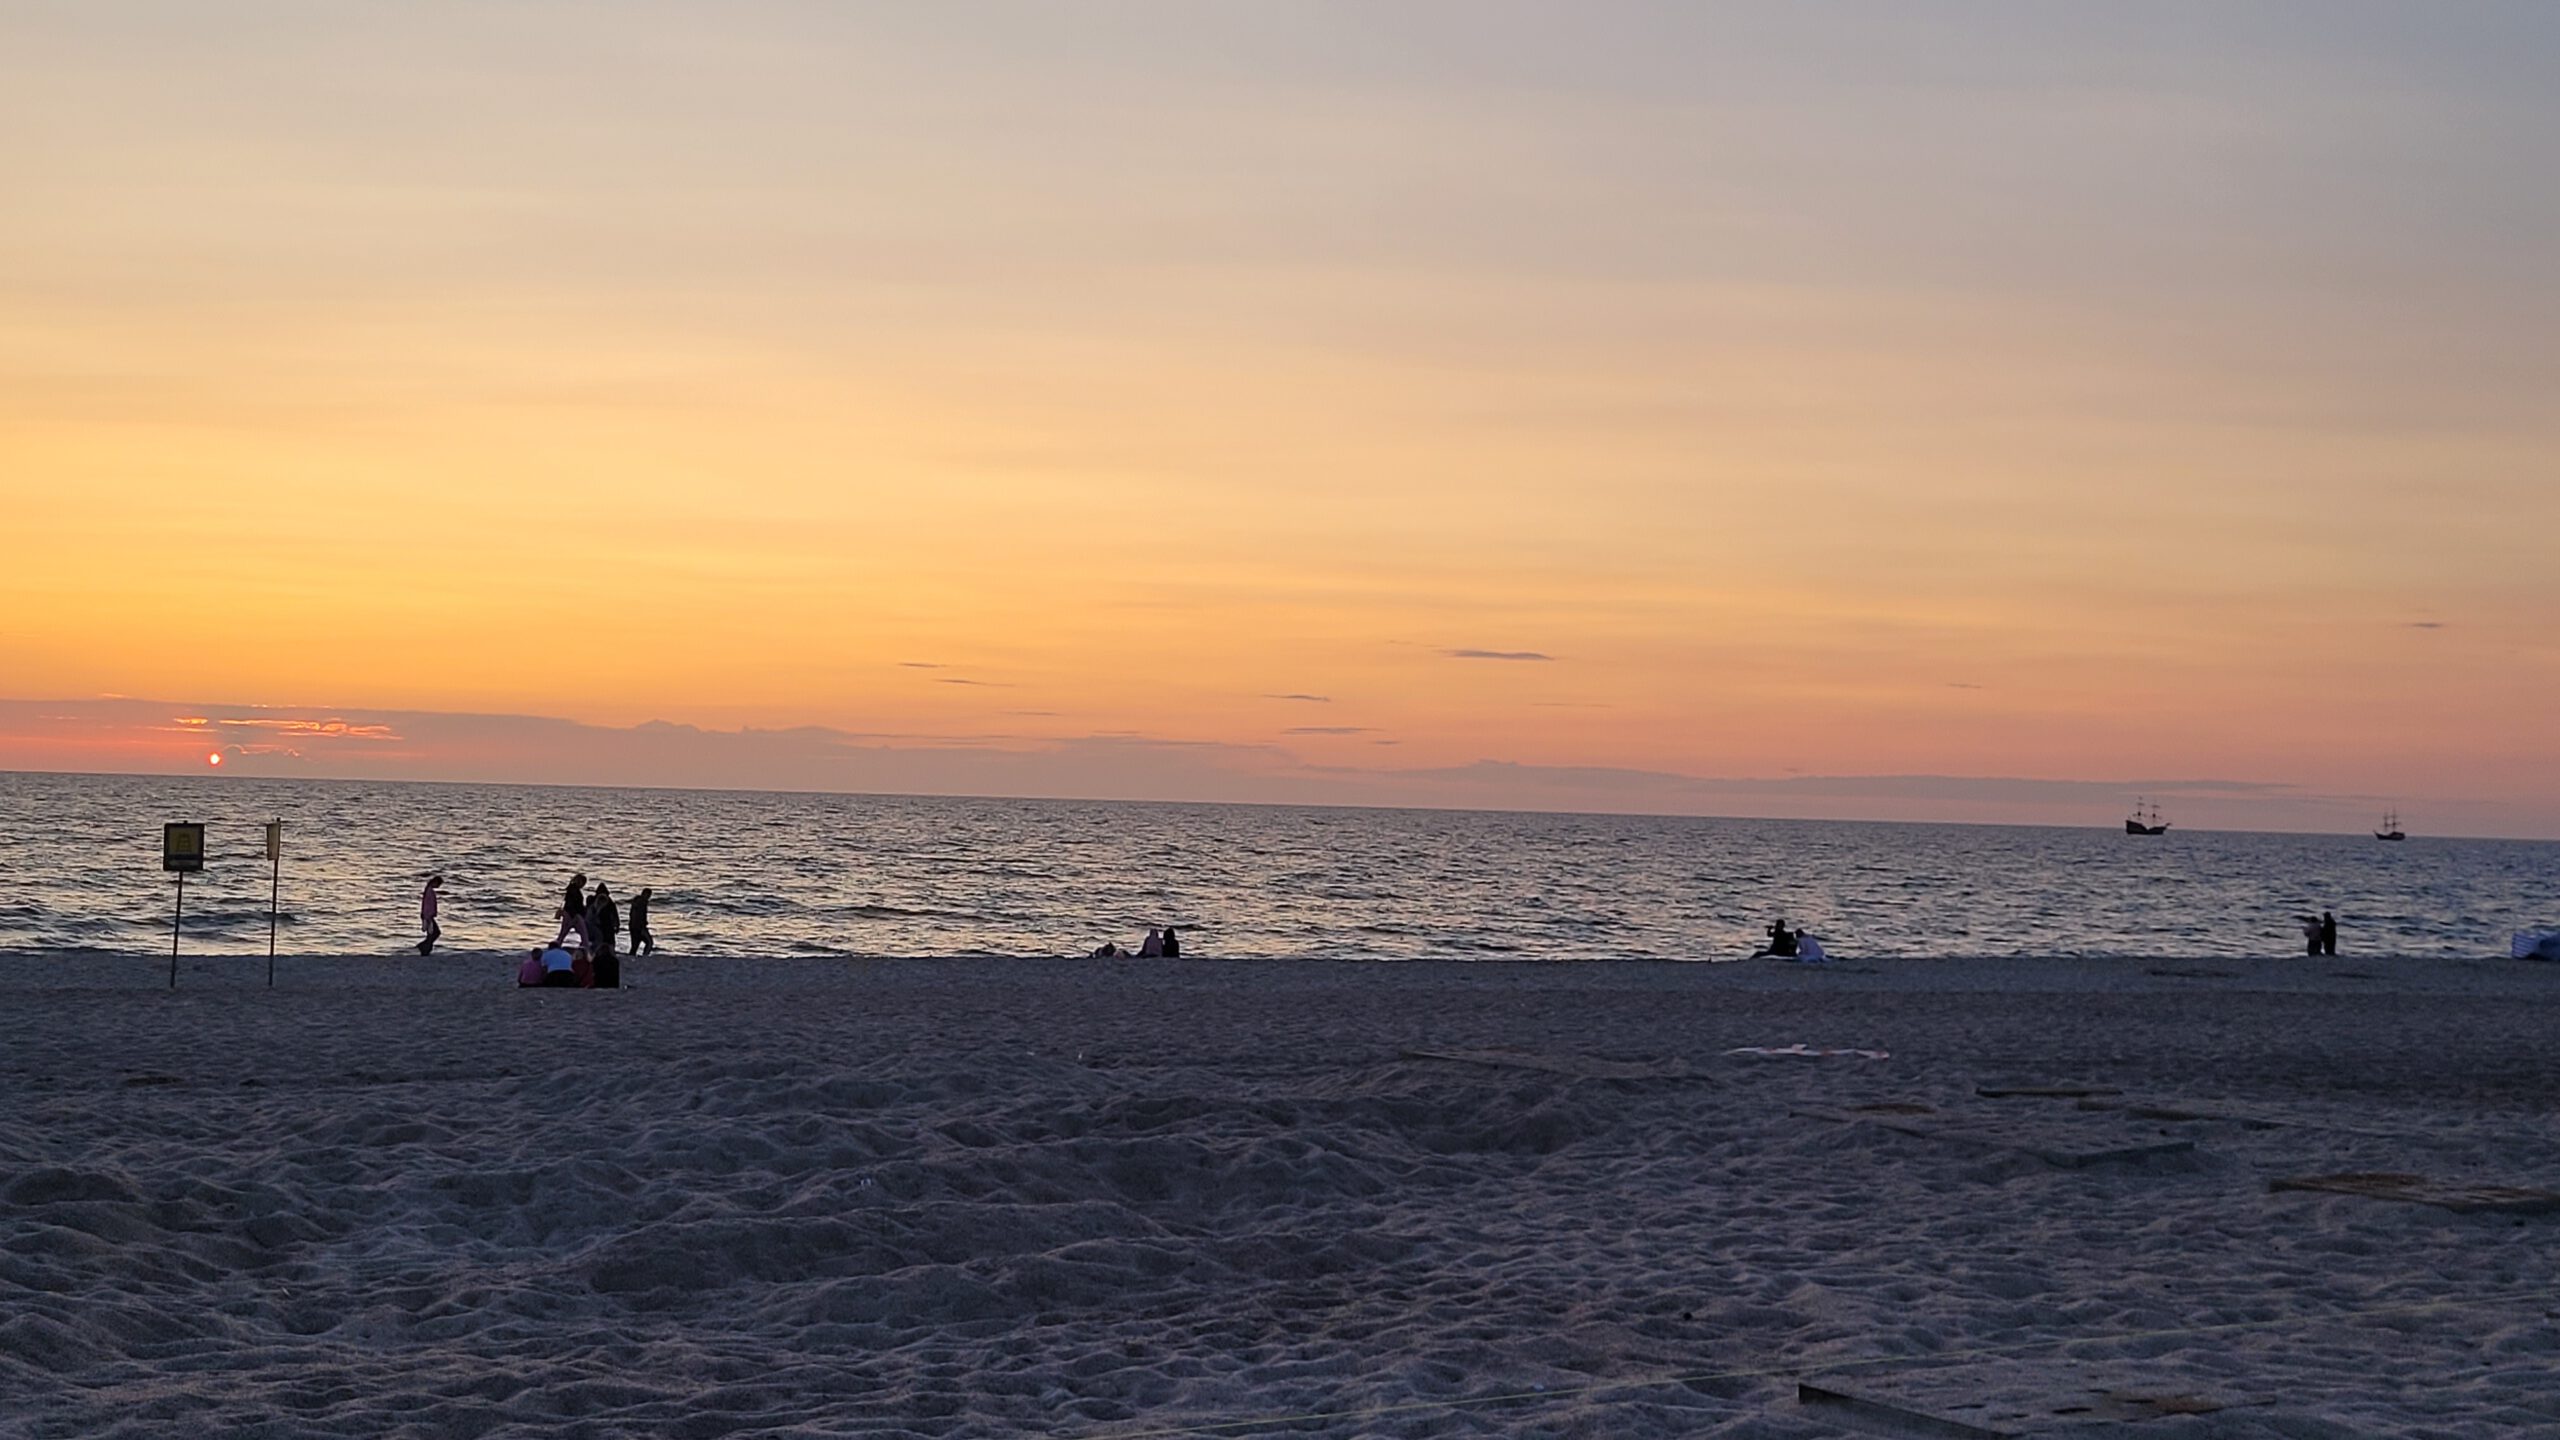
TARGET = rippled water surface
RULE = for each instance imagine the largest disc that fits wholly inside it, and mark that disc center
(745, 874)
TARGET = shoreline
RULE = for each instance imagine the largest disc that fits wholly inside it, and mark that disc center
(463, 970)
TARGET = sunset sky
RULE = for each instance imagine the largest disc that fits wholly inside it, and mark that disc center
(1920, 411)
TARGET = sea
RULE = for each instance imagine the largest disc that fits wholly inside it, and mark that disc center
(743, 875)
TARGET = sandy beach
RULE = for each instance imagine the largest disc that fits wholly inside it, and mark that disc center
(963, 1198)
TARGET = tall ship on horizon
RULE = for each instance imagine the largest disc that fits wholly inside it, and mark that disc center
(2145, 820)
(2390, 827)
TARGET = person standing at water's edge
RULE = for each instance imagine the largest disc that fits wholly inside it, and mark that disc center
(604, 921)
(427, 926)
(2328, 933)
(573, 908)
(642, 942)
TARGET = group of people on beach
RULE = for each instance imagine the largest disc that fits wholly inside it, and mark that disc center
(594, 921)
(590, 919)
(2320, 934)
(1160, 944)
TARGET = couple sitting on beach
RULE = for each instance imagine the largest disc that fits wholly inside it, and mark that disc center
(1159, 945)
(1786, 944)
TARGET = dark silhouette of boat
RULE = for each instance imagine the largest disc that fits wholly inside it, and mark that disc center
(2145, 820)
(2390, 827)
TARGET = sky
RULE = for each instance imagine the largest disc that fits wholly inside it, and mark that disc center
(1958, 411)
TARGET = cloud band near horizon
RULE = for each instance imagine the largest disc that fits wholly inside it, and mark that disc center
(125, 735)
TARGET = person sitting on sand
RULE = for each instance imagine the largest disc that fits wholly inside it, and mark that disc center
(1809, 950)
(1172, 944)
(1782, 942)
(1108, 951)
(1152, 948)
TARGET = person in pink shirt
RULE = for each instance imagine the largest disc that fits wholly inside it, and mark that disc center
(427, 914)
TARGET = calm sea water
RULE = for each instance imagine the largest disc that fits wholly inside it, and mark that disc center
(750, 874)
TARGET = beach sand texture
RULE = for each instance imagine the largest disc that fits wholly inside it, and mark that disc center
(947, 1198)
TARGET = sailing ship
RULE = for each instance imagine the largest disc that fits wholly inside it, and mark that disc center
(2145, 820)
(2390, 827)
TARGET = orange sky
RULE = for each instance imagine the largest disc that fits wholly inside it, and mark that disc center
(2056, 396)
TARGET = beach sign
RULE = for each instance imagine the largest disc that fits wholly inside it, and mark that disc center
(181, 847)
(182, 850)
(275, 840)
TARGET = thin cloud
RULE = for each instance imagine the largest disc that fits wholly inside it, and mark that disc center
(1496, 655)
(2426, 624)
(1961, 788)
(1329, 730)
(983, 684)
(920, 665)
(1302, 699)
(329, 728)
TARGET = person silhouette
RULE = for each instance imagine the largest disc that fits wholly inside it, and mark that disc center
(642, 942)
(427, 902)
(603, 921)
(2328, 933)
(1172, 944)
(1782, 941)
(573, 909)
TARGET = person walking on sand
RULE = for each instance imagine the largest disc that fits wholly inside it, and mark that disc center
(642, 942)
(604, 921)
(573, 910)
(427, 925)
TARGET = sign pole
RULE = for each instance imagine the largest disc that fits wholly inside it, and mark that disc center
(173, 929)
(275, 887)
